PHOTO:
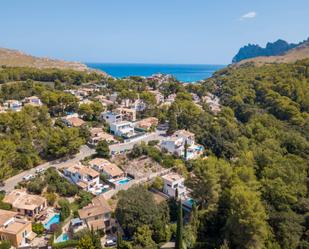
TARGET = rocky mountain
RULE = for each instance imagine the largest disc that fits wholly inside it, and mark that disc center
(299, 52)
(276, 48)
(15, 58)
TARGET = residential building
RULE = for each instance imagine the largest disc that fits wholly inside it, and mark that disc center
(139, 105)
(104, 101)
(2, 109)
(13, 105)
(177, 143)
(213, 102)
(127, 114)
(97, 215)
(159, 96)
(147, 123)
(122, 129)
(97, 135)
(16, 230)
(110, 170)
(24, 203)
(73, 120)
(173, 183)
(111, 117)
(85, 177)
(33, 100)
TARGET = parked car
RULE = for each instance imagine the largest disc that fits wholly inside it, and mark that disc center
(39, 170)
(110, 242)
(28, 177)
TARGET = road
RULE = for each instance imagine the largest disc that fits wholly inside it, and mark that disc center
(85, 151)
(157, 135)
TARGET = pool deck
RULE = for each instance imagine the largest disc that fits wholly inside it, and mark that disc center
(50, 214)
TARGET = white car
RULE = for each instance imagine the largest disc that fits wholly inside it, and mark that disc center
(40, 170)
(28, 177)
(110, 242)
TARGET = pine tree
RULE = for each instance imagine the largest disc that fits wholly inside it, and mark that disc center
(186, 149)
(179, 232)
(172, 125)
(119, 240)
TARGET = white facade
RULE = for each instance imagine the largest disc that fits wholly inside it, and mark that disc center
(111, 117)
(123, 128)
(174, 182)
(84, 177)
(176, 145)
(13, 105)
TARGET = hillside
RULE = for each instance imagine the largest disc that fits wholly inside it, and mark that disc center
(14, 58)
(298, 53)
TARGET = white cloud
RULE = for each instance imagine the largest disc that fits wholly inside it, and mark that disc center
(249, 15)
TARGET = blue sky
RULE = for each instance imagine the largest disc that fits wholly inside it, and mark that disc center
(148, 31)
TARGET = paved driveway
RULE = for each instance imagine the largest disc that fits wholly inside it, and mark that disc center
(157, 135)
(13, 181)
(85, 151)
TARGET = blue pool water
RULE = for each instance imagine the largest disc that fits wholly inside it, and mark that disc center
(184, 73)
(123, 181)
(190, 201)
(63, 237)
(54, 220)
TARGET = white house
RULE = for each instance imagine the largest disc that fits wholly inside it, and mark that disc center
(176, 144)
(110, 170)
(13, 105)
(33, 100)
(86, 178)
(174, 182)
(122, 128)
(111, 117)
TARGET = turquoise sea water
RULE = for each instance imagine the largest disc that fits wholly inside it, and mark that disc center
(184, 73)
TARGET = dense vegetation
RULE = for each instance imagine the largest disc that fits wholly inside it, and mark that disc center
(256, 194)
(8, 74)
(251, 192)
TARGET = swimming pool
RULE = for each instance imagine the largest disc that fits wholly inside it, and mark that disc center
(190, 201)
(123, 181)
(63, 237)
(54, 220)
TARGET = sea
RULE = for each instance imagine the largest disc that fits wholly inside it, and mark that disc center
(182, 72)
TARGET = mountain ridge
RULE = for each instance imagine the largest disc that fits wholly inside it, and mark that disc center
(276, 48)
(17, 58)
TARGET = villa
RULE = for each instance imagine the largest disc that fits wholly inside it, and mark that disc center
(97, 215)
(104, 101)
(16, 230)
(111, 117)
(2, 109)
(86, 178)
(176, 144)
(13, 105)
(174, 182)
(33, 100)
(213, 102)
(127, 114)
(73, 120)
(24, 203)
(147, 123)
(97, 135)
(110, 170)
(122, 129)
(159, 96)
